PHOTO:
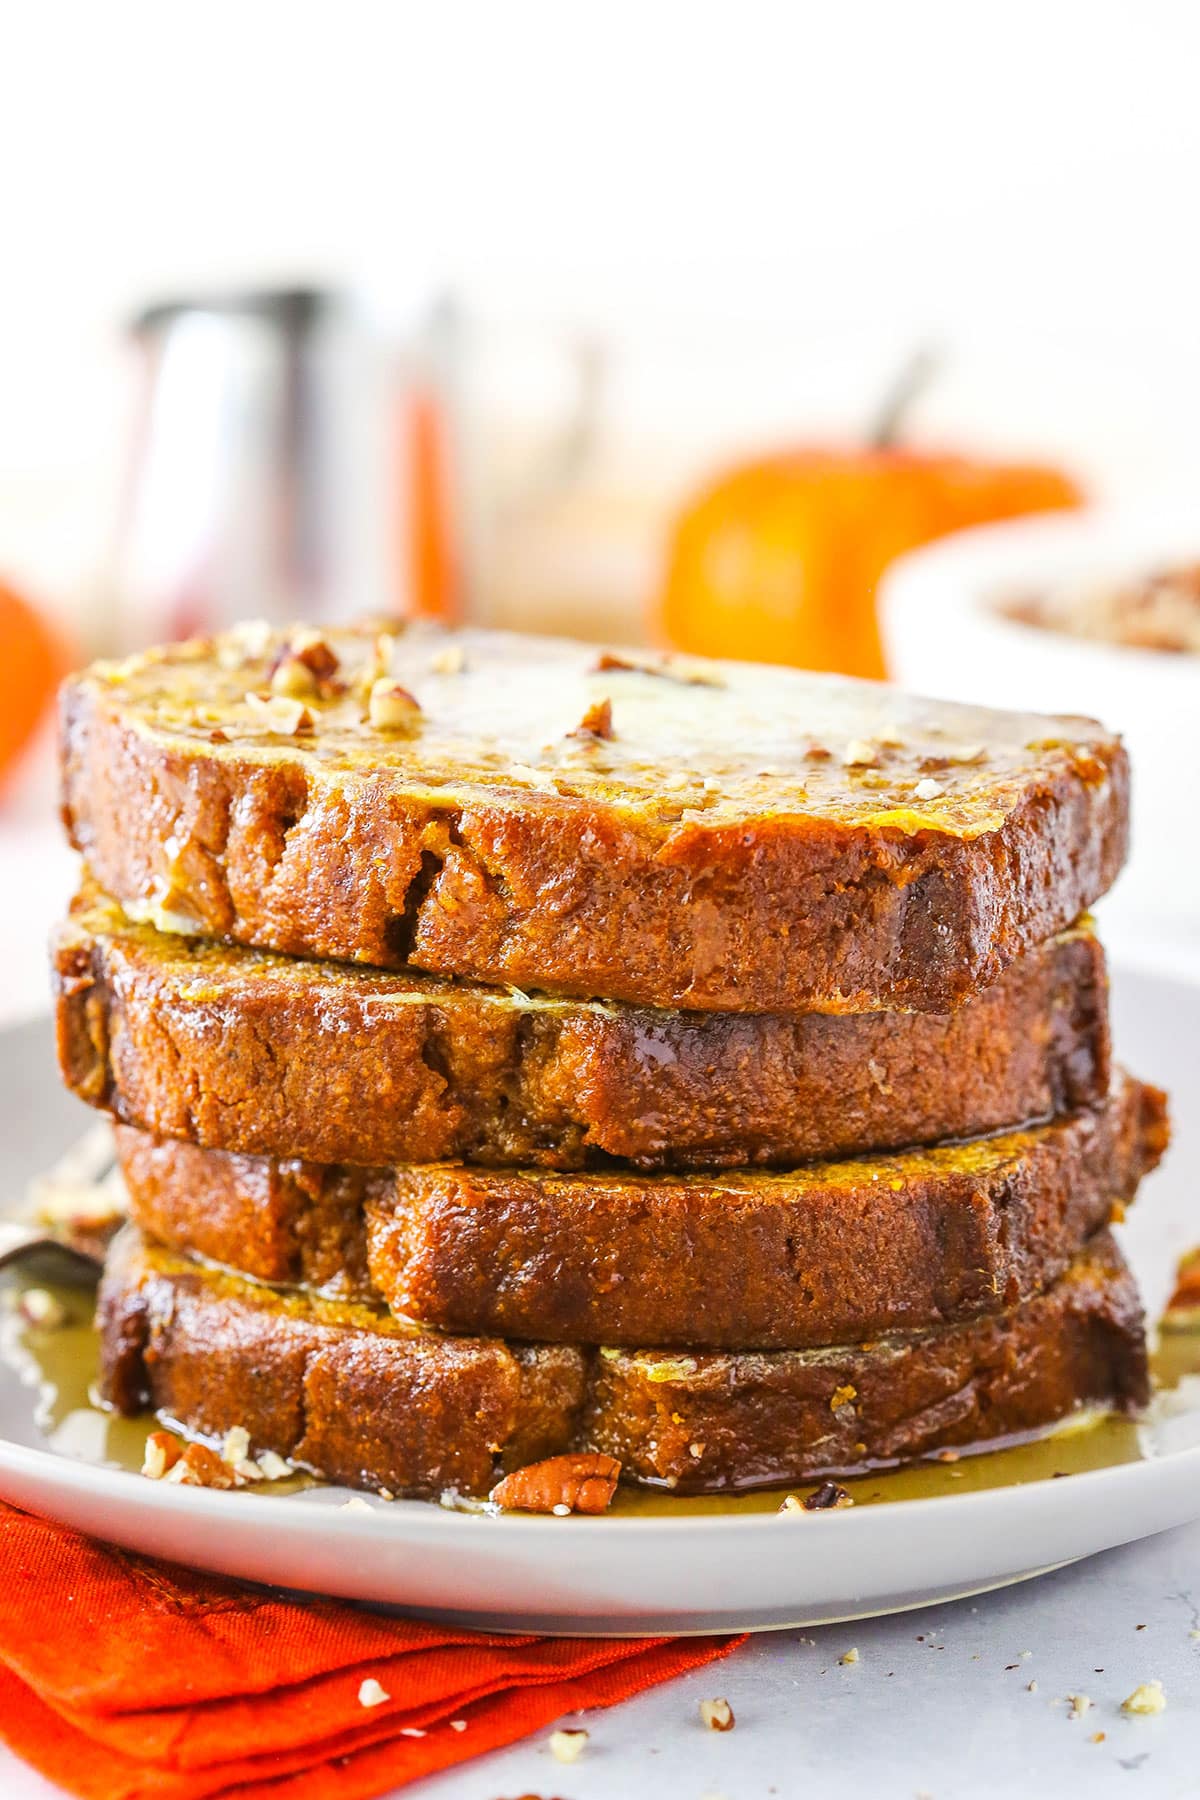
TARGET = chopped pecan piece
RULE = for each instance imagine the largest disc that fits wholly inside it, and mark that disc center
(717, 1715)
(304, 666)
(664, 670)
(583, 1483)
(279, 713)
(200, 1466)
(596, 721)
(391, 707)
(163, 1451)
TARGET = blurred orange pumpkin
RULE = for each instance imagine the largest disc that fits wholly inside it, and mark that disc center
(32, 660)
(779, 560)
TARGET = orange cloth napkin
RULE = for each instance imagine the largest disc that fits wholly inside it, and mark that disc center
(122, 1678)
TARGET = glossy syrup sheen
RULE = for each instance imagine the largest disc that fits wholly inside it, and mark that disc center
(503, 722)
(60, 1365)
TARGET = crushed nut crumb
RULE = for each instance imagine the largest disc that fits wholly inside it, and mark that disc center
(356, 1503)
(450, 661)
(370, 1693)
(596, 722)
(567, 1745)
(391, 707)
(162, 1453)
(1080, 1704)
(274, 1467)
(1146, 1698)
(859, 754)
(293, 678)
(246, 642)
(200, 1466)
(236, 1447)
(928, 789)
(717, 1715)
(289, 718)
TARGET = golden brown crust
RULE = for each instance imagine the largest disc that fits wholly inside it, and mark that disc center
(371, 1404)
(698, 1423)
(346, 1391)
(243, 1050)
(788, 883)
(833, 1253)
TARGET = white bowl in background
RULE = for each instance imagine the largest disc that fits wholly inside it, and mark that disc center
(944, 636)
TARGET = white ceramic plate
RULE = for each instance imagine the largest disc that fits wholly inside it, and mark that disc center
(620, 1575)
(945, 636)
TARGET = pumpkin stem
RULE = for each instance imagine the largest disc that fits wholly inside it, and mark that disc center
(912, 379)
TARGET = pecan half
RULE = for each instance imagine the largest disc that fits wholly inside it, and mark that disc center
(584, 1483)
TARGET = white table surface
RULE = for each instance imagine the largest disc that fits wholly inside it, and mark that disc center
(931, 1708)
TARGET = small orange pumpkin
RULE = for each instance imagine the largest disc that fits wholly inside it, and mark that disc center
(779, 560)
(32, 660)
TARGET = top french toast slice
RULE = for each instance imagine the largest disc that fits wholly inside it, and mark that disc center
(530, 811)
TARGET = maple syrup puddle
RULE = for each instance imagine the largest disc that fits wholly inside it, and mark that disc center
(60, 1365)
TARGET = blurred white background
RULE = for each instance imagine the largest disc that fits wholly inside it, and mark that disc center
(766, 205)
(829, 184)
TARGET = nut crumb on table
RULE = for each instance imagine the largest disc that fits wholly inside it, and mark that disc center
(567, 1744)
(1147, 1697)
(717, 1715)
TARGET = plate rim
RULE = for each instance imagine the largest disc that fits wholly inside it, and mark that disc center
(428, 1517)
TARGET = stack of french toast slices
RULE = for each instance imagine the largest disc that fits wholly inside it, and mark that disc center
(535, 1066)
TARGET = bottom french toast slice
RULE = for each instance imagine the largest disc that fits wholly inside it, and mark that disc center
(827, 1254)
(370, 1401)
